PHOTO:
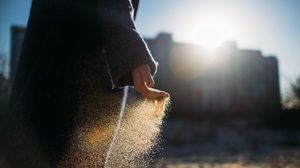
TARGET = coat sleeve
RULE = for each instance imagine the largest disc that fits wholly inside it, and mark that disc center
(124, 47)
(107, 24)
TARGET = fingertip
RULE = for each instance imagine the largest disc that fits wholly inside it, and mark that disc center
(164, 94)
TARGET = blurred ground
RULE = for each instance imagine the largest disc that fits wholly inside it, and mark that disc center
(226, 144)
(268, 162)
(230, 144)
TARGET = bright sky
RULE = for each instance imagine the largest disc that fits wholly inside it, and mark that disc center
(272, 26)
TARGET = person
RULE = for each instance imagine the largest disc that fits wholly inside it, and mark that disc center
(75, 57)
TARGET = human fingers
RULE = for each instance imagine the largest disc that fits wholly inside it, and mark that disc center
(146, 73)
(157, 94)
(140, 86)
(143, 82)
(139, 83)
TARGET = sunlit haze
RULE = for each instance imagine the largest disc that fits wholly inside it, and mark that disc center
(212, 31)
(267, 25)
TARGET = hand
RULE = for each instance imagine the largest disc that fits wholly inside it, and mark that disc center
(143, 83)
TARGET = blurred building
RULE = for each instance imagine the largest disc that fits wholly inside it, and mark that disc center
(3, 96)
(225, 81)
(17, 38)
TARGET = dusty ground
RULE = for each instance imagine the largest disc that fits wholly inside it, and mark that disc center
(233, 162)
(233, 144)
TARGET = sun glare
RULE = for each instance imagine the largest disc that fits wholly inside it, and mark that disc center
(214, 30)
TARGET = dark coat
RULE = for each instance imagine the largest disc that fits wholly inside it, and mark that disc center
(73, 51)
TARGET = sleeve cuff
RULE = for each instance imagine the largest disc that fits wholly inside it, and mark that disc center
(128, 55)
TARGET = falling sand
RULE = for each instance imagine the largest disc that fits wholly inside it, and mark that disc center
(124, 136)
(112, 143)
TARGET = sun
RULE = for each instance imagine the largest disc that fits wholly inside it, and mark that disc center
(213, 31)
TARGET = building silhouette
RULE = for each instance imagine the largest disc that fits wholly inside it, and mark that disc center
(226, 81)
(17, 38)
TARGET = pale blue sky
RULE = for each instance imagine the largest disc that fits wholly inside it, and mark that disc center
(272, 26)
